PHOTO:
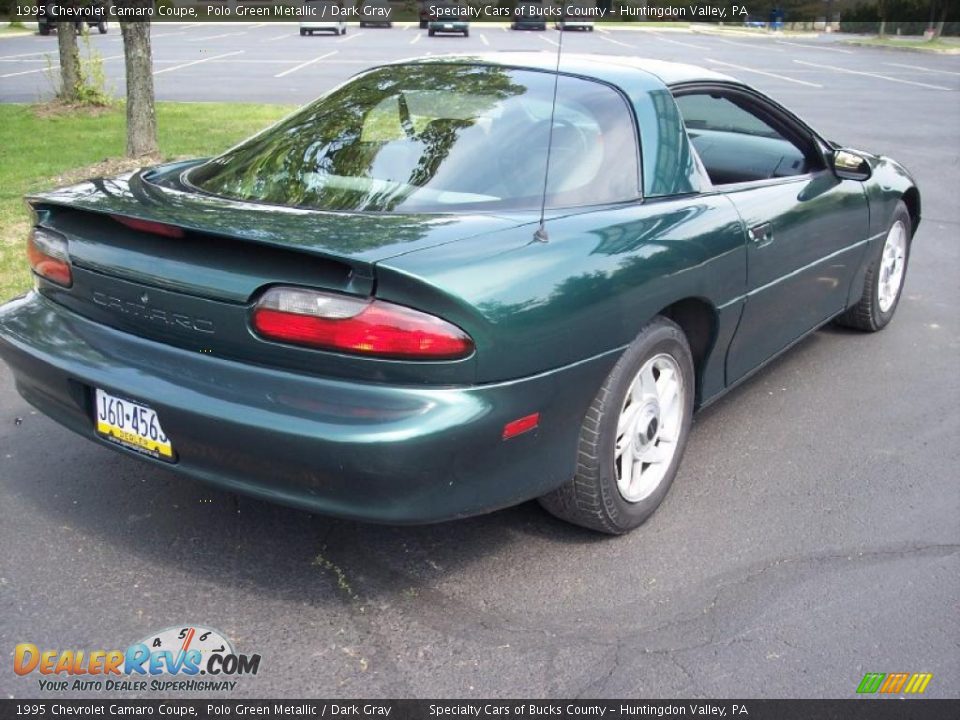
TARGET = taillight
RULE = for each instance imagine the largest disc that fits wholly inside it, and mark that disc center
(47, 252)
(149, 226)
(356, 325)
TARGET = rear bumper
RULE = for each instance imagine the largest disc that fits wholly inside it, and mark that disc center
(359, 450)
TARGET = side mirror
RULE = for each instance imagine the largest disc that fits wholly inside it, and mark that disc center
(848, 165)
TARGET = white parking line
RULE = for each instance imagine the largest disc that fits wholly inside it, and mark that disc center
(617, 42)
(815, 47)
(912, 67)
(305, 64)
(197, 62)
(678, 42)
(348, 38)
(763, 72)
(278, 37)
(483, 39)
(416, 38)
(548, 40)
(11, 57)
(873, 75)
(52, 66)
(215, 37)
(751, 45)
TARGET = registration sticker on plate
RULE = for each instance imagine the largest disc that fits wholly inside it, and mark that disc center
(132, 425)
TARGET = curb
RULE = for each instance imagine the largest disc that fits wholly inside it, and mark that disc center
(906, 48)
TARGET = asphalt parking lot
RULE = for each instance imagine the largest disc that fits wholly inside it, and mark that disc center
(811, 536)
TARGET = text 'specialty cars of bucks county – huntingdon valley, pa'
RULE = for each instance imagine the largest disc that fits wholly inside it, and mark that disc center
(359, 312)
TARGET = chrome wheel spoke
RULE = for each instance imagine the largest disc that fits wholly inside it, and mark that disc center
(627, 418)
(627, 461)
(647, 384)
(890, 274)
(662, 452)
(648, 428)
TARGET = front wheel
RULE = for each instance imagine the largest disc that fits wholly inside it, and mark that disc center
(884, 280)
(633, 435)
(102, 27)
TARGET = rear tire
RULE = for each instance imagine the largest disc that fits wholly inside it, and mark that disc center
(431, 33)
(884, 280)
(633, 436)
(102, 27)
(466, 33)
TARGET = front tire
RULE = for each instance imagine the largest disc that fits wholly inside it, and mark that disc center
(883, 283)
(633, 435)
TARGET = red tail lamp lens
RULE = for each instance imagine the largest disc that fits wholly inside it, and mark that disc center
(48, 256)
(149, 226)
(362, 326)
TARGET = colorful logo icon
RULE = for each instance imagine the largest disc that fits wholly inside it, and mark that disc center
(894, 683)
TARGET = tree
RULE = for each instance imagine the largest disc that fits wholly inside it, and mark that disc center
(936, 24)
(70, 79)
(141, 111)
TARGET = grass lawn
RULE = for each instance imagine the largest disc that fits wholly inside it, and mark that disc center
(14, 30)
(40, 150)
(940, 45)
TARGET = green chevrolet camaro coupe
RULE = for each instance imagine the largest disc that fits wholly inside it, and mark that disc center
(359, 312)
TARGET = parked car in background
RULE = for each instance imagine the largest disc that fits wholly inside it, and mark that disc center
(326, 17)
(571, 23)
(455, 284)
(48, 21)
(527, 15)
(375, 13)
(448, 19)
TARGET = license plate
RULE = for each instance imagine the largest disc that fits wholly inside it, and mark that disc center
(131, 425)
(448, 27)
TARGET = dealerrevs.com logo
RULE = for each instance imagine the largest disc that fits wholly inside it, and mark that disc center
(178, 659)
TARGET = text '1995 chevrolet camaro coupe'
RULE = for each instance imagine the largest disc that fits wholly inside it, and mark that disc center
(359, 312)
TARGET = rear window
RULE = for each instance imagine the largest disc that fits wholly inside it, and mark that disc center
(437, 138)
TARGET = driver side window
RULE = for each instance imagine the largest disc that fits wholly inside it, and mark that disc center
(734, 143)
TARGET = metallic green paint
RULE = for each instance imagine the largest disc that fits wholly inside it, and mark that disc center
(165, 322)
(365, 450)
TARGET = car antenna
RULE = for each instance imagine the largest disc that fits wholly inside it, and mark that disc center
(541, 234)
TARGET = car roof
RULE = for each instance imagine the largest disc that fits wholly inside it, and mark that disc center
(590, 65)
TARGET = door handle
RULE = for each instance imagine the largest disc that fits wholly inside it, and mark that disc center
(762, 234)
